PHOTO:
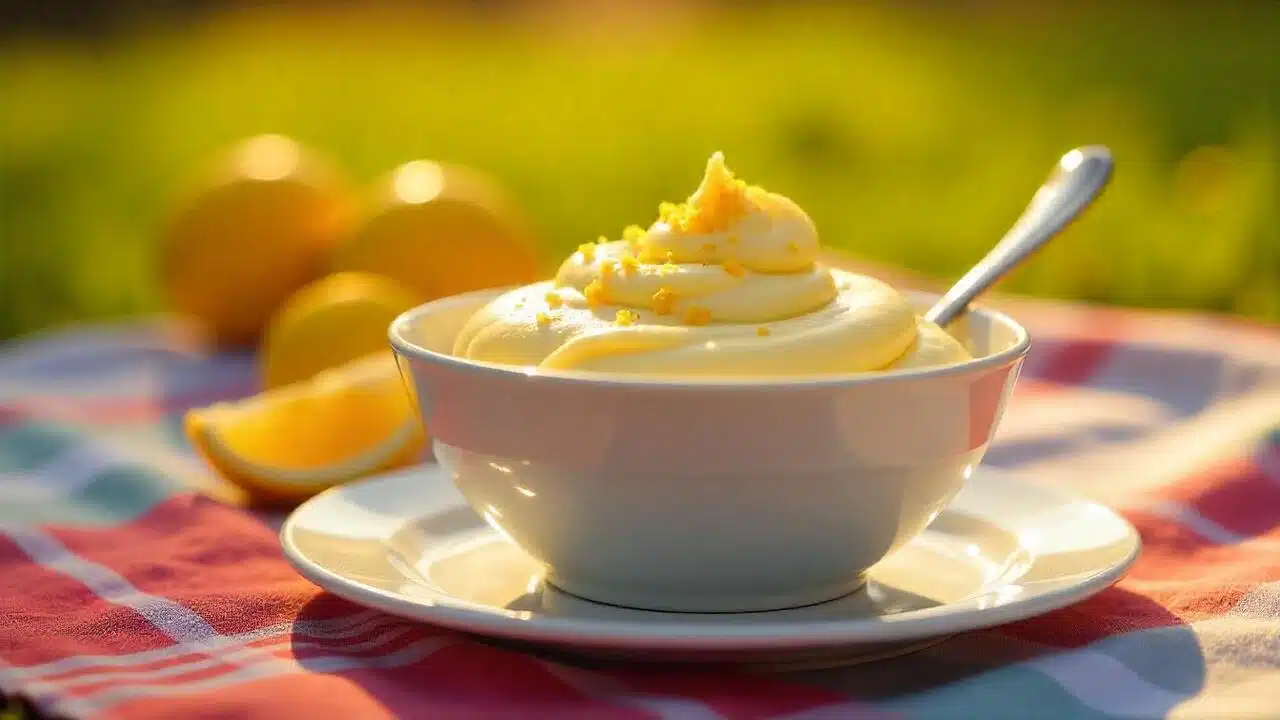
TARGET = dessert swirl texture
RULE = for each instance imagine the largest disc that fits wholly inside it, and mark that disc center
(725, 283)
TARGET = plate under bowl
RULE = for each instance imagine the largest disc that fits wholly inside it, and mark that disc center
(1003, 550)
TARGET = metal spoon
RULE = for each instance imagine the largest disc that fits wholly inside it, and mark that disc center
(1078, 178)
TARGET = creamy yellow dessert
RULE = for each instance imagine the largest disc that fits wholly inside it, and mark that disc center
(725, 283)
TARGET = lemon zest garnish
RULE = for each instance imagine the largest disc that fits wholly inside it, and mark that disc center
(543, 319)
(734, 268)
(608, 269)
(664, 301)
(629, 264)
(673, 214)
(626, 317)
(588, 251)
(594, 293)
(554, 300)
(633, 234)
(697, 316)
(721, 200)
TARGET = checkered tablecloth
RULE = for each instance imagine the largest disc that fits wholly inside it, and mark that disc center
(134, 584)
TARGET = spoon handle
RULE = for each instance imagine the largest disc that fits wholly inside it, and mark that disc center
(1078, 178)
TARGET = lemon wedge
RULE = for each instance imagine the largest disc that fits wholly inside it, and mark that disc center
(289, 443)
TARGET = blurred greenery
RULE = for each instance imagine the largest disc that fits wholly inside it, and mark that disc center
(912, 138)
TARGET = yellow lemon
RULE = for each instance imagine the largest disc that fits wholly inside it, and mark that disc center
(259, 227)
(290, 443)
(441, 230)
(329, 322)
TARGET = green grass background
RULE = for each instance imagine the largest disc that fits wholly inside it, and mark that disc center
(912, 138)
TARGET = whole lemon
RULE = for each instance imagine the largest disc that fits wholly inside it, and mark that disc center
(441, 230)
(330, 322)
(260, 226)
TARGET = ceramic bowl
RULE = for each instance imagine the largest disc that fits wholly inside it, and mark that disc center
(714, 495)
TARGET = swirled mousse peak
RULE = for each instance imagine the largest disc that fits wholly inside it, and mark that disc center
(727, 282)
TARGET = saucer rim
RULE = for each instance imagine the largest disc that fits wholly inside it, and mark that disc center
(688, 634)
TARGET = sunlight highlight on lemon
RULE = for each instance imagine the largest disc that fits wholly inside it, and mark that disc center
(331, 321)
(290, 443)
(440, 230)
(257, 228)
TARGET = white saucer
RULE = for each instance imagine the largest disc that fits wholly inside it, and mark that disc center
(1004, 550)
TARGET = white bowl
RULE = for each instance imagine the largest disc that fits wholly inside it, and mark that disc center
(711, 495)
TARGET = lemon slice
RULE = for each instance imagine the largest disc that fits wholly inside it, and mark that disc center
(290, 443)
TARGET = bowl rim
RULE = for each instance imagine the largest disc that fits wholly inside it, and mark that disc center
(397, 329)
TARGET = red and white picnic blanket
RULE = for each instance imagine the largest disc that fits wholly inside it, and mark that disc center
(133, 585)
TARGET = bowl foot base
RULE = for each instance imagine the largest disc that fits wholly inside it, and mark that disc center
(639, 599)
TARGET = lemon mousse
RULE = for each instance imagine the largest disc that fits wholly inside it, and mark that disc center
(726, 283)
